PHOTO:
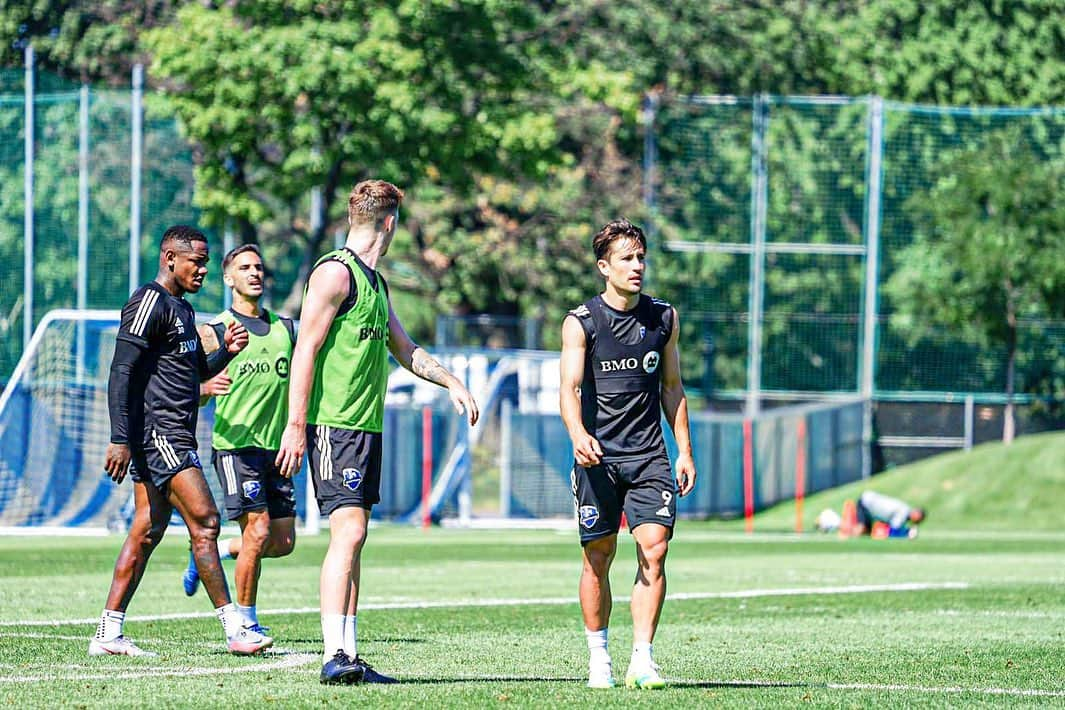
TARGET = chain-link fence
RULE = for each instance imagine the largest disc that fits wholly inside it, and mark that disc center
(781, 219)
(105, 176)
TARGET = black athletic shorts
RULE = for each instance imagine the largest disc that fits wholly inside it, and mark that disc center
(251, 482)
(643, 488)
(163, 457)
(345, 467)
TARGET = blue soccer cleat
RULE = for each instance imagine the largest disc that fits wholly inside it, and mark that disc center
(191, 579)
(341, 670)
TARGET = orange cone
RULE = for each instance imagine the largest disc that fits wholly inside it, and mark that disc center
(849, 519)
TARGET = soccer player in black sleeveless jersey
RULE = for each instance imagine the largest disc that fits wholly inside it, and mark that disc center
(620, 370)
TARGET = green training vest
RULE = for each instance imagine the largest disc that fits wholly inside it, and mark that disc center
(255, 411)
(351, 370)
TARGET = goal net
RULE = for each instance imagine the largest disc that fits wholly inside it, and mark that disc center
(54, 427)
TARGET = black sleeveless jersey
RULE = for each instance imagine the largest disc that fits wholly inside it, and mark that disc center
(621, 392)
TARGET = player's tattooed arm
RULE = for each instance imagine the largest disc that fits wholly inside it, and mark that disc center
(422, 364)
(426, 367)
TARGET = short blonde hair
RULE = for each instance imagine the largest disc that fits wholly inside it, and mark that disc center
(372, 200)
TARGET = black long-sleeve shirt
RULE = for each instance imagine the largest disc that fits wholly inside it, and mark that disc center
(154, 387)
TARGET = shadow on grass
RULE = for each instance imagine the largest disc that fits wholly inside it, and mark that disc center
(491, 679)
(382, 639)
(583, 679)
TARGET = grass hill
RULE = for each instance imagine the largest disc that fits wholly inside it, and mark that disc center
(992, 487)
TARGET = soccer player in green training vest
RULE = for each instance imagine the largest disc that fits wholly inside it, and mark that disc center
(336, 403)
(251, 409)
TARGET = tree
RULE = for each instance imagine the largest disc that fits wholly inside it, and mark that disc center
(280, 98)
(81, 40)
(989, 251)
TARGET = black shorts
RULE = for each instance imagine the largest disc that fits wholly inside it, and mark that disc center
(345, 467)
(163, 457)
(643, 488)
(251, 482)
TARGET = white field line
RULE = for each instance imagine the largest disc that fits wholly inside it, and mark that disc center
(545, 601)
(294, 660)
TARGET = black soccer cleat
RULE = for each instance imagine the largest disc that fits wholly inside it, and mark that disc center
(341, 670)
(369, 675)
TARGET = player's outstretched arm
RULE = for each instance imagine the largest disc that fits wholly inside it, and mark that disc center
(411, 356)
(675, 406)
(586, 448)
(326, 290)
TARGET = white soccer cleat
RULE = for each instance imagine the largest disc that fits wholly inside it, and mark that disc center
(645, 676)
(600, 675)
(248, 641)
(119, 646)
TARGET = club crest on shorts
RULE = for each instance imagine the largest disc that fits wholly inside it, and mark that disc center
(194, 459)
(252, 489)
(352, 478)
(650, 361)
(589, 515)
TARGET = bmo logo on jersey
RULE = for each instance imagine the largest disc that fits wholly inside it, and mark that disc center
(625, 363)
(649, 364)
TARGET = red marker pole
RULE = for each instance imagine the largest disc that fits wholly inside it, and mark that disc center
(748, 476)
(800, 474)
(427, 464)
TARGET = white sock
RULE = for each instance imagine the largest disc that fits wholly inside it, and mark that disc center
(641, 653)
(250, 614)
(231, 618)
(332, 634)
(351, 635)
(223, 550)
(597, 646)
(110, 626)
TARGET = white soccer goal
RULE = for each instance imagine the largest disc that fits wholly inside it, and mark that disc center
(54, 428)
(54, 431)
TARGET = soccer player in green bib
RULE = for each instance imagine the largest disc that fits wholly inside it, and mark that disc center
(251, 409)
(336, 407)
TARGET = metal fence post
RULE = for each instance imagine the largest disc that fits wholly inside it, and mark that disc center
(969, 422)
(650, 165)
(867, 367)
(228, 243)
(136, 152)
(83, 223)
(506, 410)
(756, 287)
(27, 192)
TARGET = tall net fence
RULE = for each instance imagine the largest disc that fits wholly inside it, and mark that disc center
(78, 240)
(769, 209)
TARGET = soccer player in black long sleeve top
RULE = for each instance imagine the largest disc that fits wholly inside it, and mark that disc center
(153, 398)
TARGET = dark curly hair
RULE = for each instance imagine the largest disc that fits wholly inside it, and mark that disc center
(613, 231)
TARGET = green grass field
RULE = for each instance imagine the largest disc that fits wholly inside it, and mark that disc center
(966, 615)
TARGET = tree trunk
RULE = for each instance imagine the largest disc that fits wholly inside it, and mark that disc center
(1008, 424)
(292, 302)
